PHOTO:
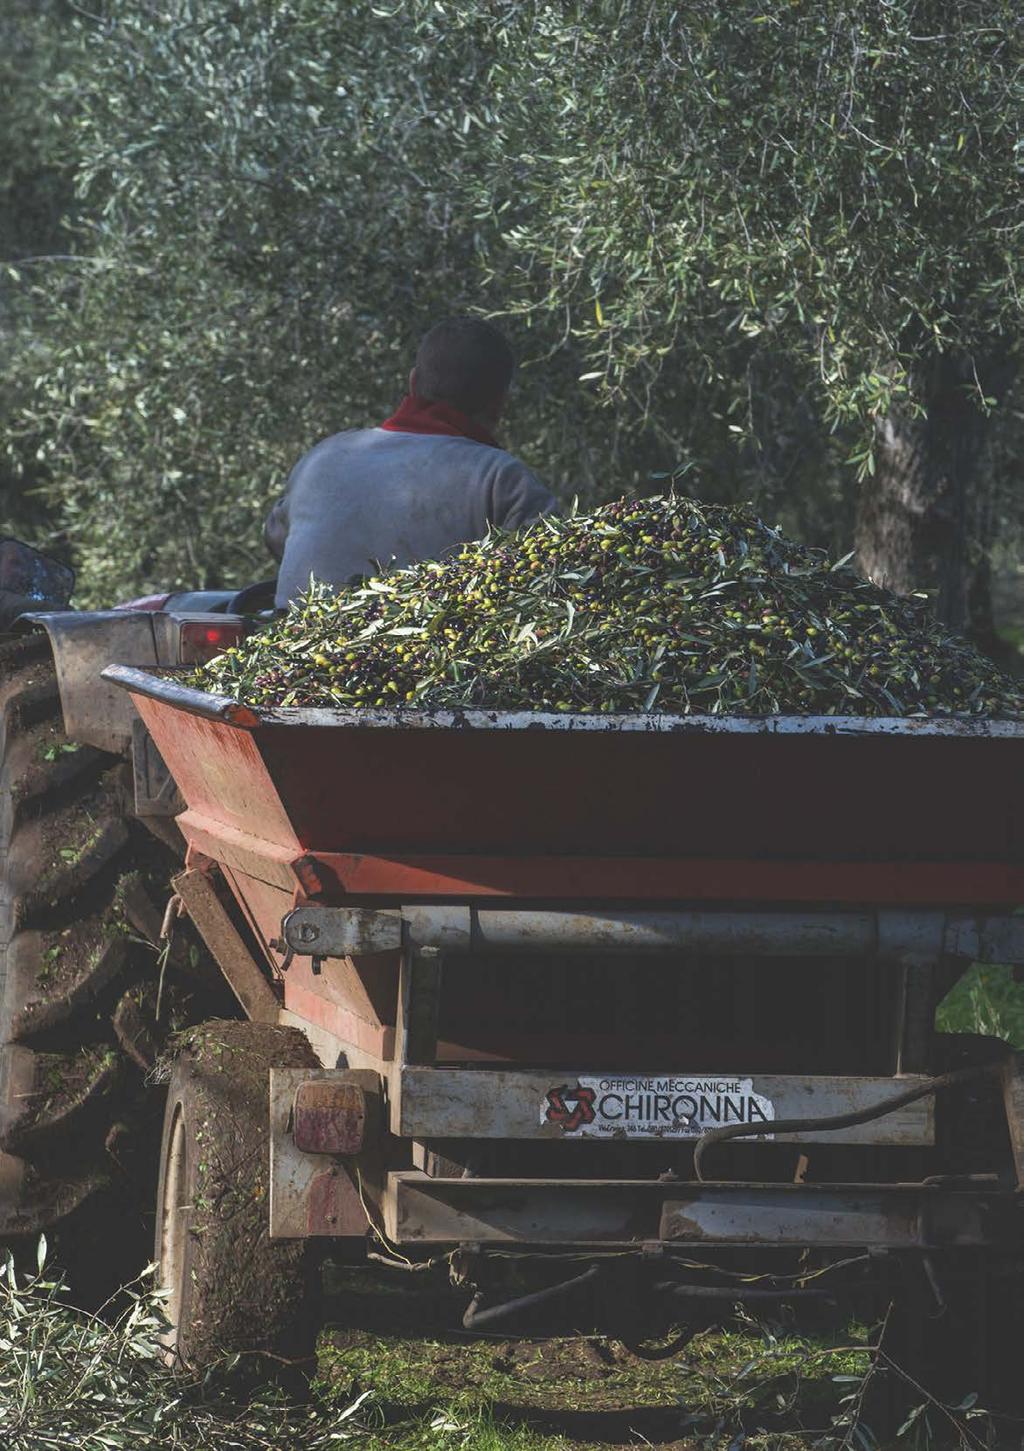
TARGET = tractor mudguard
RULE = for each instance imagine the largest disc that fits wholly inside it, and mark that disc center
(97, 713)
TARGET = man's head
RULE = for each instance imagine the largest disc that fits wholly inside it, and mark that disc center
(466, 363)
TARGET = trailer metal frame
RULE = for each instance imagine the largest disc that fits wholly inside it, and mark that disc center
(369, 867)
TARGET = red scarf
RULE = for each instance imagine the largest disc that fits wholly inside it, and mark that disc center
(416, 415)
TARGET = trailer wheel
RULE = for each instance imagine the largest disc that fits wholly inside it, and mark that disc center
(82, 890)
(231, 1289)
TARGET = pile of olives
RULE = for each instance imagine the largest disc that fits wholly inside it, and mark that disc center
(658, 604)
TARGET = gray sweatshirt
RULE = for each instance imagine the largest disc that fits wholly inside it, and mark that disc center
(370, 497)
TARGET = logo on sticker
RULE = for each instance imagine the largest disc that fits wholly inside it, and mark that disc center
(654, 1108)
(572, 1108)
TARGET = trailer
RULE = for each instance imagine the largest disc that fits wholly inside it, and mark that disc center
(630, 1021)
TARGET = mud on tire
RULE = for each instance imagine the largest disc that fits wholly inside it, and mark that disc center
(82, 888)
(231, 1289)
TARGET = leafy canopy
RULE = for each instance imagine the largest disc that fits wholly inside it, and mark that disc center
(721, 235)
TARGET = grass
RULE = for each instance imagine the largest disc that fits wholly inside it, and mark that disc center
(985, 1000)
(70, 1381)
(587, 1391)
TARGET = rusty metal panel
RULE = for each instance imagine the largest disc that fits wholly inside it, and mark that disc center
(309, 1195)
(894, 1217)
(356, 1038)
(455, 1103)
(262, 904)
(333, 1051)
(423, 1210)
(419, 991)
(243, 975)
(419, 1209)
(859, 1218)
(367, 795)
(221, 774)
(255, 858)
(536, 876)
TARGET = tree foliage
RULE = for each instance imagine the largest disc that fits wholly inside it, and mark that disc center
(35, 201)
(723, 237)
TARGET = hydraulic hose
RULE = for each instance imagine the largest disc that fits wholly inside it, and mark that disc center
(476, 1318)
(841, 1120)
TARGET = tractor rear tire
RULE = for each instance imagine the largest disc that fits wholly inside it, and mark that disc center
(82, 890)
(231, 1290)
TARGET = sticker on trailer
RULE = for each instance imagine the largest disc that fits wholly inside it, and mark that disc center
(654, 1108)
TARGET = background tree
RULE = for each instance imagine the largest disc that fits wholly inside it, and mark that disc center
(35, 201)
(774, 248)
(834, 190)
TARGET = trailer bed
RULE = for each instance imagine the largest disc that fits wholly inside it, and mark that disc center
(407, 804)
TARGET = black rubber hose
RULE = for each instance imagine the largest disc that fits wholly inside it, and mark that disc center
(840, 1120)
(643, 1350)
(717, 1294)
(477, 1319)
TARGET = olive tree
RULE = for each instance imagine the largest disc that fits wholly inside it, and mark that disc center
(772, 250)
(35, 203)
(730, 199)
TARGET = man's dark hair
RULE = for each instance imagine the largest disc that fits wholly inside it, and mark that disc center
(465, 362)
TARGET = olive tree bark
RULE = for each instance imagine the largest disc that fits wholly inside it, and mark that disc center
(925, 517)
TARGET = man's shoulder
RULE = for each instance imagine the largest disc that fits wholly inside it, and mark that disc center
(442, 460)
(326, 455)
(489, 461)
(356, 440)
(348, 438)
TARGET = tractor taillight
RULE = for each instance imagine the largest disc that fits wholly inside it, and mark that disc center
(336, 1114)
(200, 640)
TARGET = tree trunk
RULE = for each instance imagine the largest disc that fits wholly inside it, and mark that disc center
(924, 518)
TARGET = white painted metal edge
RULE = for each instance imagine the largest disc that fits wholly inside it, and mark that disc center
(783, 725)
(498, 1104)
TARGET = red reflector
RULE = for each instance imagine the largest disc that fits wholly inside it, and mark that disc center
(329, 1117)
(200, 640)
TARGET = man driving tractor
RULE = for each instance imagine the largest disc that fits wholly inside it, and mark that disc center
(431, 477)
